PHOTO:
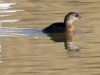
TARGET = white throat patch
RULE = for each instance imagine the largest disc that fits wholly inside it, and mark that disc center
(71, 21)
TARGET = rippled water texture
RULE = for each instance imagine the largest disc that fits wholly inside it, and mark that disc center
(25, 50)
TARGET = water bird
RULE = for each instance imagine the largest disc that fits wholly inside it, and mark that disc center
(66, 28)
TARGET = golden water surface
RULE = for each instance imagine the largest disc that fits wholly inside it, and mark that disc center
(29, 56)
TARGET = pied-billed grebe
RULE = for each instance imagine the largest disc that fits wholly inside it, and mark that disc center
(60, 27)
(65, 27)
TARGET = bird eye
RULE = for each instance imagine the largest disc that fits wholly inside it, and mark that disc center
(76, 15)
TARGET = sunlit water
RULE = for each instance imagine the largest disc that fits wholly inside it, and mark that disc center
(6, 5)
(23, 54)
(15, 32)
